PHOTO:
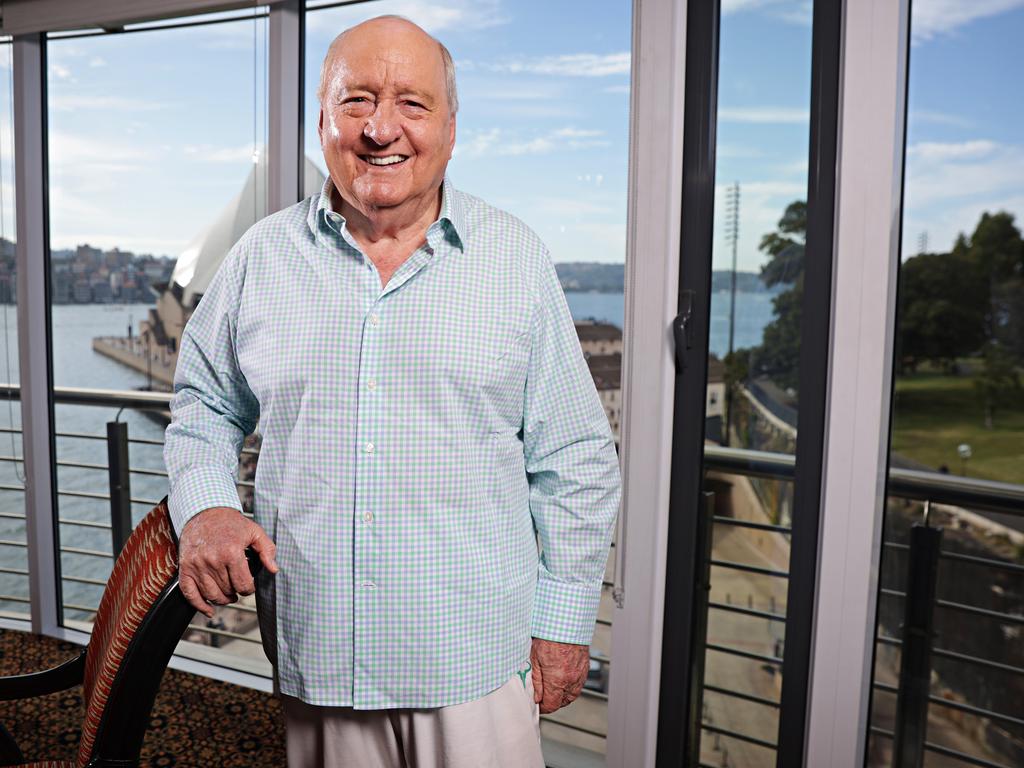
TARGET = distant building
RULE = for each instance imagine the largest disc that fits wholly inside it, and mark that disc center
(62, 286)
(598, 338)
(602, 347)
(101, 293)
(606, 371)
(82, 291)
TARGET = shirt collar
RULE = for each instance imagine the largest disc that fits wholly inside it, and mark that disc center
(453, 212)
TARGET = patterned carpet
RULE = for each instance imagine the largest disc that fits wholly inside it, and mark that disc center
(196, 722)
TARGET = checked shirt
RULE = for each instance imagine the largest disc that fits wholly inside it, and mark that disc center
(418, 441)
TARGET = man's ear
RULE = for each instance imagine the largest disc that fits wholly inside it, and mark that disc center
(451, 139)
(320, 125)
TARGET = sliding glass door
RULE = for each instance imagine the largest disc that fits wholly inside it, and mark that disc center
(751, 345)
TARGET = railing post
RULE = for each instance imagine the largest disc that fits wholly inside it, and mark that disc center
(120, 484)
(915, 660)
(702, 593)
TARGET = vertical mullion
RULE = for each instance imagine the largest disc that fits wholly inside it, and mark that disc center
(816, 307)
(284, 99)
(875, 47)
(648, 375)
(32, 259)
(679, 710)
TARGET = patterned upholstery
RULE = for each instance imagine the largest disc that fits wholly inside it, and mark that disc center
(49, 764)
(148, 562)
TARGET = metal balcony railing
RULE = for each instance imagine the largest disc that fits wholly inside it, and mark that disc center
(925, 487)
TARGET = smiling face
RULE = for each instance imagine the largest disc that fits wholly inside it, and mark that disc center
(385, 127)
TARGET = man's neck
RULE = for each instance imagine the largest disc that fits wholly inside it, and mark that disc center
(399, 224)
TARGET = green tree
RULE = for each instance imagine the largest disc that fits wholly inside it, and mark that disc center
(942, 309)
(999, 382)
(778, 356)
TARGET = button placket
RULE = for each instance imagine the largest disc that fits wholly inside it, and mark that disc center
(368, 416)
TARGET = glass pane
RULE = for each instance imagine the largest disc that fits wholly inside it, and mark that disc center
(543, 133)
(14, 591)
(959, 403)
(753, 370)
(157, 166)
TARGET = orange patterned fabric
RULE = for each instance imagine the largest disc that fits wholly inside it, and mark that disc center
(145, 566)
(49, 764)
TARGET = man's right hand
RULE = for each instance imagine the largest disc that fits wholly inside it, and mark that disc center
(211, 557)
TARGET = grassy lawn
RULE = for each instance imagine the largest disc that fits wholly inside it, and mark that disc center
(934, 413)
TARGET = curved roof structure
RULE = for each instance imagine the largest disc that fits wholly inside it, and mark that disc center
(199, 262)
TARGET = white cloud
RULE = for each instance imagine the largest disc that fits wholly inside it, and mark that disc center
(497, 142)
(956, 172)
(206, 153)
(937, 117)
(930, 18)
(733, 6)
(569, 65)
(74, 157)
(932, 151)
(97, 61)
(74, 101)
(764, 115)
(791, 11)
(60, 71)
(948, 187)
(433, 17)
(616, 89)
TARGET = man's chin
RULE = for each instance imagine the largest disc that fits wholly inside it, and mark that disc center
(381, 195)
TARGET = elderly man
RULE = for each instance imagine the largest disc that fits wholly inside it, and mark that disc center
(427, 416)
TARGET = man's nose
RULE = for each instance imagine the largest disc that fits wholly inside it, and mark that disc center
(384, 125)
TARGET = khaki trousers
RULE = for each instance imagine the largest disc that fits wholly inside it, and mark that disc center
(499, 730)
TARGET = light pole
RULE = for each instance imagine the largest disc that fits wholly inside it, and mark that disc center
(965, 453)
(732, 234)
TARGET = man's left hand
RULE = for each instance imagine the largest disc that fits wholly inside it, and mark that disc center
(559, 671)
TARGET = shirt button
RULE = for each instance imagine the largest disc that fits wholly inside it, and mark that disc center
(371, 384)
(374, 319)
(367, 517)
(369, 448)
(368, 585)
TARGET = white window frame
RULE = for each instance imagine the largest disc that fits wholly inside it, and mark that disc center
(868, 224)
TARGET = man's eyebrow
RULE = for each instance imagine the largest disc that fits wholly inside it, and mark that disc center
(417, 93)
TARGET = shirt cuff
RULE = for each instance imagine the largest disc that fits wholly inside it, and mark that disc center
(564, 612)
(197, 490)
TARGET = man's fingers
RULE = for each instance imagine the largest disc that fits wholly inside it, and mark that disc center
(191, 593)
(216, 568)
(552, 698)
(241, 577)
(210, 591)
(265, 548)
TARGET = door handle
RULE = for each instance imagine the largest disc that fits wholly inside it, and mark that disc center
(682, 328)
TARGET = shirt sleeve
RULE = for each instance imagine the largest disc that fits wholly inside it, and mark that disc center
(212, 409)
(573, 471)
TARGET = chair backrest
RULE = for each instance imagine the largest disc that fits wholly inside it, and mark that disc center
(140, 619)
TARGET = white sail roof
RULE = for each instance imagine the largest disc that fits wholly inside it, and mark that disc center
(199, 262)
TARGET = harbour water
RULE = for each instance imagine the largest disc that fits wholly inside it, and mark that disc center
(82, 429)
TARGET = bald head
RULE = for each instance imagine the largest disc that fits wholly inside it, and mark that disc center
(388, 25)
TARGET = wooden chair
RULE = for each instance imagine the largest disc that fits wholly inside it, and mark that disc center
(140, 620)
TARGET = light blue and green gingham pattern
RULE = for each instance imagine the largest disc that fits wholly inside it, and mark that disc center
(417, 441)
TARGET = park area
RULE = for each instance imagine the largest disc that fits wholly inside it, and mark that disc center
(936, 412)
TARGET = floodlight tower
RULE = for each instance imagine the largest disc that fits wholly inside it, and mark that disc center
(732, 236)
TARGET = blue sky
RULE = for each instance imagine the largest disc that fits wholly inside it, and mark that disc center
(152, 133)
